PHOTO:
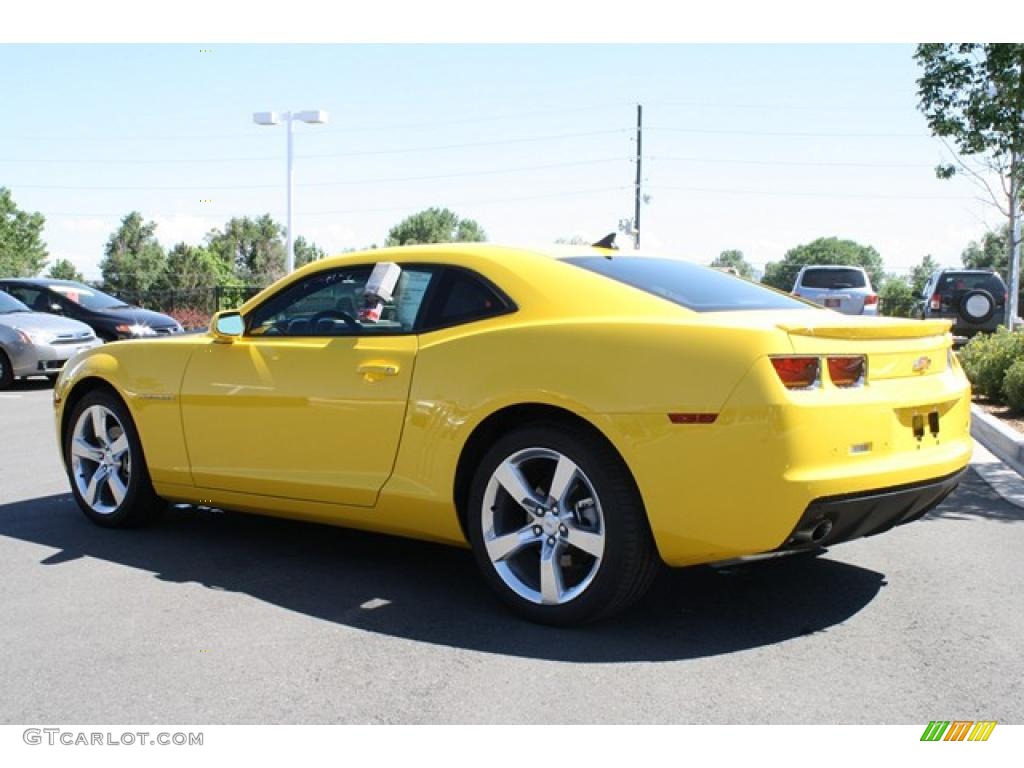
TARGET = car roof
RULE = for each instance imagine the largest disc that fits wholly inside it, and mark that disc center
(832, 266)
(40, 281)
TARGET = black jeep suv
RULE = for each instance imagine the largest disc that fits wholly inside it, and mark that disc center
(974, 299)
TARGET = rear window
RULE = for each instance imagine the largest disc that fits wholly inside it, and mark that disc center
(701, 289)
(959, 283)
(833, 278)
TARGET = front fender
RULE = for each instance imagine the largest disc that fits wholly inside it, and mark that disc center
(146, 375)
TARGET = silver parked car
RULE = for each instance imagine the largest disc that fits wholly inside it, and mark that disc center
(37, 344)
(844, 289)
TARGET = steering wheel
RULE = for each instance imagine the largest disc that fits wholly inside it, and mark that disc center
(334, 314)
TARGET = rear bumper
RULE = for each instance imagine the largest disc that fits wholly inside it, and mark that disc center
(743, 484)
(835, 519)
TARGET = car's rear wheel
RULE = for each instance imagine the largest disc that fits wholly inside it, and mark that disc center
(105, 464)
(6, 371)
(558, 527)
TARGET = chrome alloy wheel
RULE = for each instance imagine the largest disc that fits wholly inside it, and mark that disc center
(543, 527)
(101, 460)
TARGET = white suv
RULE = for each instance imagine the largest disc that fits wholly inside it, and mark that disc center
(844, 289)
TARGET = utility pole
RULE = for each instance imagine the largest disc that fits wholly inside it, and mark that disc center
(1015, 214)
(639, 160)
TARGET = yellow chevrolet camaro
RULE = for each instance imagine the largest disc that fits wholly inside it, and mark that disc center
(578, 418)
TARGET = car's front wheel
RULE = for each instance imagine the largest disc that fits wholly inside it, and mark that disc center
(558, 527)
(6, 371)
(105, 464)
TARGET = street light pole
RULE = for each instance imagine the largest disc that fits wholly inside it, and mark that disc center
(1015, 214)
(290, 247)
(316, 116)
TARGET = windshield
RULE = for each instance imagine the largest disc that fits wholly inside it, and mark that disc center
(9, 304)
(701, 289)
(87, 297)
(832, 278)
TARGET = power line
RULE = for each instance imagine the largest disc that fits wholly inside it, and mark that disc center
(807, 163)
(802, 134)
(344, 182)
(777, 193)
(346, 130)
(493, 201)
(784, 107)
(400, 151)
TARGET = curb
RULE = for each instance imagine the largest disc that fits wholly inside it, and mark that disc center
(1004, 442)
(998, 456)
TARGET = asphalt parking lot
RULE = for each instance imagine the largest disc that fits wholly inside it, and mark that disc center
(226, 618)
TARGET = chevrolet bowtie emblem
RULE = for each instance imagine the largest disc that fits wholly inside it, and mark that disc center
(922, 364)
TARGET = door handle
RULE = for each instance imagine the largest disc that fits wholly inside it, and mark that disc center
(371, 370)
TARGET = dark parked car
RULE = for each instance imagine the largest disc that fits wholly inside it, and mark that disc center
(974, 299)
(110, 318)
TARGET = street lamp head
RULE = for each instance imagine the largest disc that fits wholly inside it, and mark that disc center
(265, 118)
(312, 116)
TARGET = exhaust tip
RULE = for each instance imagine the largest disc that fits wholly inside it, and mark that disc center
(815, 534)
(821, 531)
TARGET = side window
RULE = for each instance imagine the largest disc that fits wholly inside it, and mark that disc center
(330, 303)
(463, 297)
(32, 298)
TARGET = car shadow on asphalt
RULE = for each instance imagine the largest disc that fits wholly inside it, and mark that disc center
(31, 384)
(974, 499)
(434, 594)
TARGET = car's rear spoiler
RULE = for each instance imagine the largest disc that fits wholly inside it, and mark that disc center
(870, 328)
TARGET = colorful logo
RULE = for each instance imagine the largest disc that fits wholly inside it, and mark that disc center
(958, 730)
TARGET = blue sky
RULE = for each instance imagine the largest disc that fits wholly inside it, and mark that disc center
(756, 147)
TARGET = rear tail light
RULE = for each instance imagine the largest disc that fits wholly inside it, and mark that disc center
(936, 302)
(847, 371)
(797, 372)
(871, 298)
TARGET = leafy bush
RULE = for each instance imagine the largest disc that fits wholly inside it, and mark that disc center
(972, 354)
(1013, 385)
(986, 359)
(191, 319)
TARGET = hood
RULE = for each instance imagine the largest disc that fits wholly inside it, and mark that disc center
(40, 322)
(137, 316)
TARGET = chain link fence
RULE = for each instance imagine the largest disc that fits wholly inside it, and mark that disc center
(193, 307)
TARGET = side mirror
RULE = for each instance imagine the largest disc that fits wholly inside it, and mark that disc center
(57, 309)
(227, 326)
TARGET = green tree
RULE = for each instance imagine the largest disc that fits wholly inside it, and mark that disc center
(734, 259)
(919, 275)
(825, 251)
(896, 297)
(973, 95)
(435, 225)
(988, 253)
(22, 250)
(991, 252)
(306, 251)
(574, 240)
(63, 269)
(133, 260)
(253, 249)
(191, 276)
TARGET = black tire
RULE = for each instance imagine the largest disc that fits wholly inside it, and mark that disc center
(139, 505)
(983, 316)
(607, 584)
(6, 371)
